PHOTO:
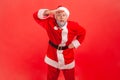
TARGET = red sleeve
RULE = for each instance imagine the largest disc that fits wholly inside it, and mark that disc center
(42, 22)
(80, 33)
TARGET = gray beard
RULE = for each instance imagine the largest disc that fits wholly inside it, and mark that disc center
(61, 24)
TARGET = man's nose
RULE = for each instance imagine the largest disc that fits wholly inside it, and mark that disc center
(61, 17)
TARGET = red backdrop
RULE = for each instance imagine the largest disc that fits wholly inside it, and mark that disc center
(23, 42)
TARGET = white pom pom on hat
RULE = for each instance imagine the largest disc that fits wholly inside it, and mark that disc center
(64, 9)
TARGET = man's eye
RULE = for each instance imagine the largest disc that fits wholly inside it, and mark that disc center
(59, 15)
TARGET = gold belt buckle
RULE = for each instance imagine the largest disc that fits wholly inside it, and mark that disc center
(59, 48)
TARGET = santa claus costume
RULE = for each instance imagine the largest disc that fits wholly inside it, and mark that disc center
(59, 56)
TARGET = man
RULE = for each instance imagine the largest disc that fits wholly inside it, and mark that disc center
(64, 36)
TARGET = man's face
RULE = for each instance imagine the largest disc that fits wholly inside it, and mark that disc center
(61, 17)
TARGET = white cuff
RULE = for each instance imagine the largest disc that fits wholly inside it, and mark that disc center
(40, 14)
(76, 43)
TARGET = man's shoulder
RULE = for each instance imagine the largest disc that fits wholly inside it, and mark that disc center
(73, 23)
(51, 19)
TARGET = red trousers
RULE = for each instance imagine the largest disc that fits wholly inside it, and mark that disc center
(53, 73)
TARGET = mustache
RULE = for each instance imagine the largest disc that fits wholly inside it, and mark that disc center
(61, 23)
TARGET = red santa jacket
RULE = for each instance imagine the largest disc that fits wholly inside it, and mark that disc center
(72, 32)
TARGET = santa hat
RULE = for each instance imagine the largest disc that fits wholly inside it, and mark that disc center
(64, 9)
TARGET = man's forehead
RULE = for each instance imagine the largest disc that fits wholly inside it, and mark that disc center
(65, 10)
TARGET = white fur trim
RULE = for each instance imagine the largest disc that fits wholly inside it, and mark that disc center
(40, 14)
(64, 35)
(60, 55)
(76, 43)
(57, 65)
(55, 28)
(64, 9)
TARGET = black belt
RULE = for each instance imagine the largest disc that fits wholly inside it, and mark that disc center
(58, 47)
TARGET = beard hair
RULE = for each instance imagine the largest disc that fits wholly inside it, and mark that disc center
(61, 24)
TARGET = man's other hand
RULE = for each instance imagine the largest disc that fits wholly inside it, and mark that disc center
(71, 46)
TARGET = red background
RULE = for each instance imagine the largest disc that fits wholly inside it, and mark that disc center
(23, 42)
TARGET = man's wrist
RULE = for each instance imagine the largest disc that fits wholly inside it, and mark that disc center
(46, 13)
(49, 12)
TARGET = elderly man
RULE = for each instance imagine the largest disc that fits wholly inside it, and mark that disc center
(64, 36)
